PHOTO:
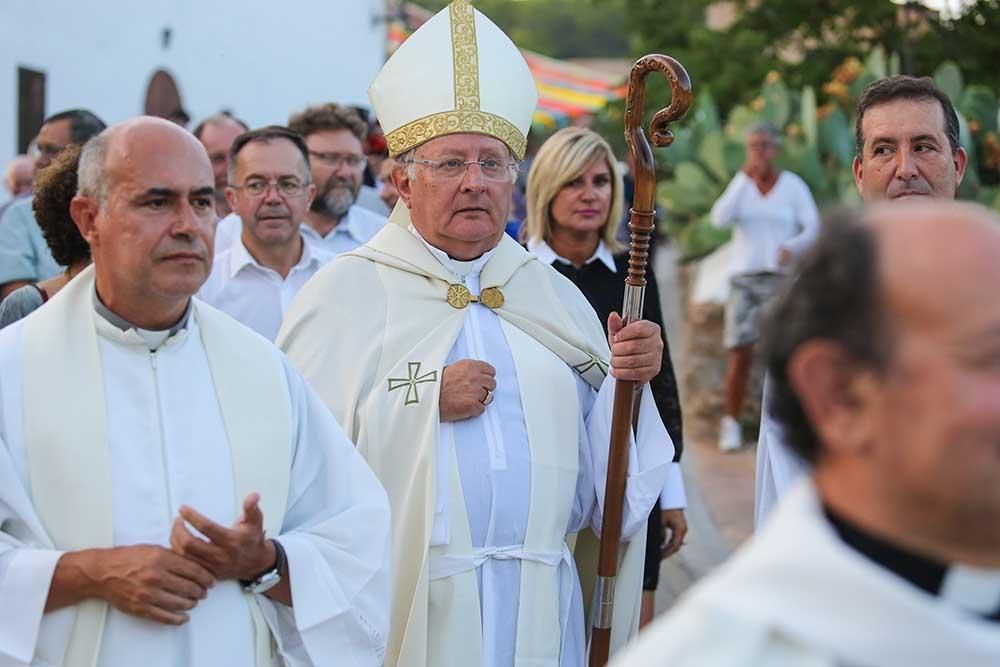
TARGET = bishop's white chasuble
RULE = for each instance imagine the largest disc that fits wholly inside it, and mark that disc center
(482, 508)
(105, 436)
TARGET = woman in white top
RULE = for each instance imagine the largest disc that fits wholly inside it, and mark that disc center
(774, 218)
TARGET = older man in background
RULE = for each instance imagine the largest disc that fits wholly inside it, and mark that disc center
(217, 133)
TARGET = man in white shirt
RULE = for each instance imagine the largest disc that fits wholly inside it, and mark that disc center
(271, 190)
(773, 217)
(148, 441)
(335, 222)
(335, 134)
(885, 362)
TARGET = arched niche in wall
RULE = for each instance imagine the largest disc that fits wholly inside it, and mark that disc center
(163, 98)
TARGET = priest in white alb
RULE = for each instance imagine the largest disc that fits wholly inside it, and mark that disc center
(171, 491)
(883, 359)
(474, 378)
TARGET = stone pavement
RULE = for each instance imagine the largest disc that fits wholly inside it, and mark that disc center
(719, 486)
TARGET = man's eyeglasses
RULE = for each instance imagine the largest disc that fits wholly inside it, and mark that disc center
(336, 159)
(286, 187)
(453, 168)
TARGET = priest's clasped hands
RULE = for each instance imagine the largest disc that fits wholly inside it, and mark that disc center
(636, 354)
(240, 552)
(161, 584)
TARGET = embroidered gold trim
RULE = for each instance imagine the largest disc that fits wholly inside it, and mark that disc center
(436, 125)
(465, 55)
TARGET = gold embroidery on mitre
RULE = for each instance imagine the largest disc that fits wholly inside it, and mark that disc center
(436, 125)
(465, 55)
(460, 297)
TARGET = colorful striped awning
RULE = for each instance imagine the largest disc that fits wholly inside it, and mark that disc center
(567, 91)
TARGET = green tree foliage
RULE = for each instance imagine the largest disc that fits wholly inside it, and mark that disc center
(805, 41)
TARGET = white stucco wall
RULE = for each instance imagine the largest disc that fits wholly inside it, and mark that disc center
(261, 58)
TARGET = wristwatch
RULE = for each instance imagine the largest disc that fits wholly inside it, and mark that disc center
(270, 578)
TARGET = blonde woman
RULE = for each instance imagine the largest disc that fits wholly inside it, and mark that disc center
(574, 201)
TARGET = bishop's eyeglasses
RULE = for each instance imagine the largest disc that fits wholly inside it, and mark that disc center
(454, 168)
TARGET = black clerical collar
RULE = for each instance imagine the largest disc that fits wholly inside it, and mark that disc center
(977, 591)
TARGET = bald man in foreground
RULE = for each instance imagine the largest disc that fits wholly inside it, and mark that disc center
(171, 491)
(885, 356)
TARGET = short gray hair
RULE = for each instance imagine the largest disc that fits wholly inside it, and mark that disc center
(91, 180)
(406, 160)
(762, 128)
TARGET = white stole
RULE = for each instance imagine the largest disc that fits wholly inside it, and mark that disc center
(67, 451)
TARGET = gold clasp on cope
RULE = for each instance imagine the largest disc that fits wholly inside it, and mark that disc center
(460, 297)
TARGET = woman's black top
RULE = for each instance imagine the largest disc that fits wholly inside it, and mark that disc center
(605, 291)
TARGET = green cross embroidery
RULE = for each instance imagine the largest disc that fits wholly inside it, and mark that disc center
(412, 381)
(587, 365)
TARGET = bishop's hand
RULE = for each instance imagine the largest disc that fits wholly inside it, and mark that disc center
(636, 350)
(466, 389)
(240, 552)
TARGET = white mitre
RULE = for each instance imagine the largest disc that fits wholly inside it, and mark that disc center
(457, 73)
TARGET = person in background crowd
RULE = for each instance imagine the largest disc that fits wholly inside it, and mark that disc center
(256, 279)
(574, 200)
(54, 191)
(389, 194)
(18, 175)
(216, 133)
(774, 218)
(24, 256)
(333, 134)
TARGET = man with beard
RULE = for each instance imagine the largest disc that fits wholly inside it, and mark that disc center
(257, 277)
(334, 134)
(907, 146)
(148, 441)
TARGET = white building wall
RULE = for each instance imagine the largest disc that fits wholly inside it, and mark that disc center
(261, 58)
